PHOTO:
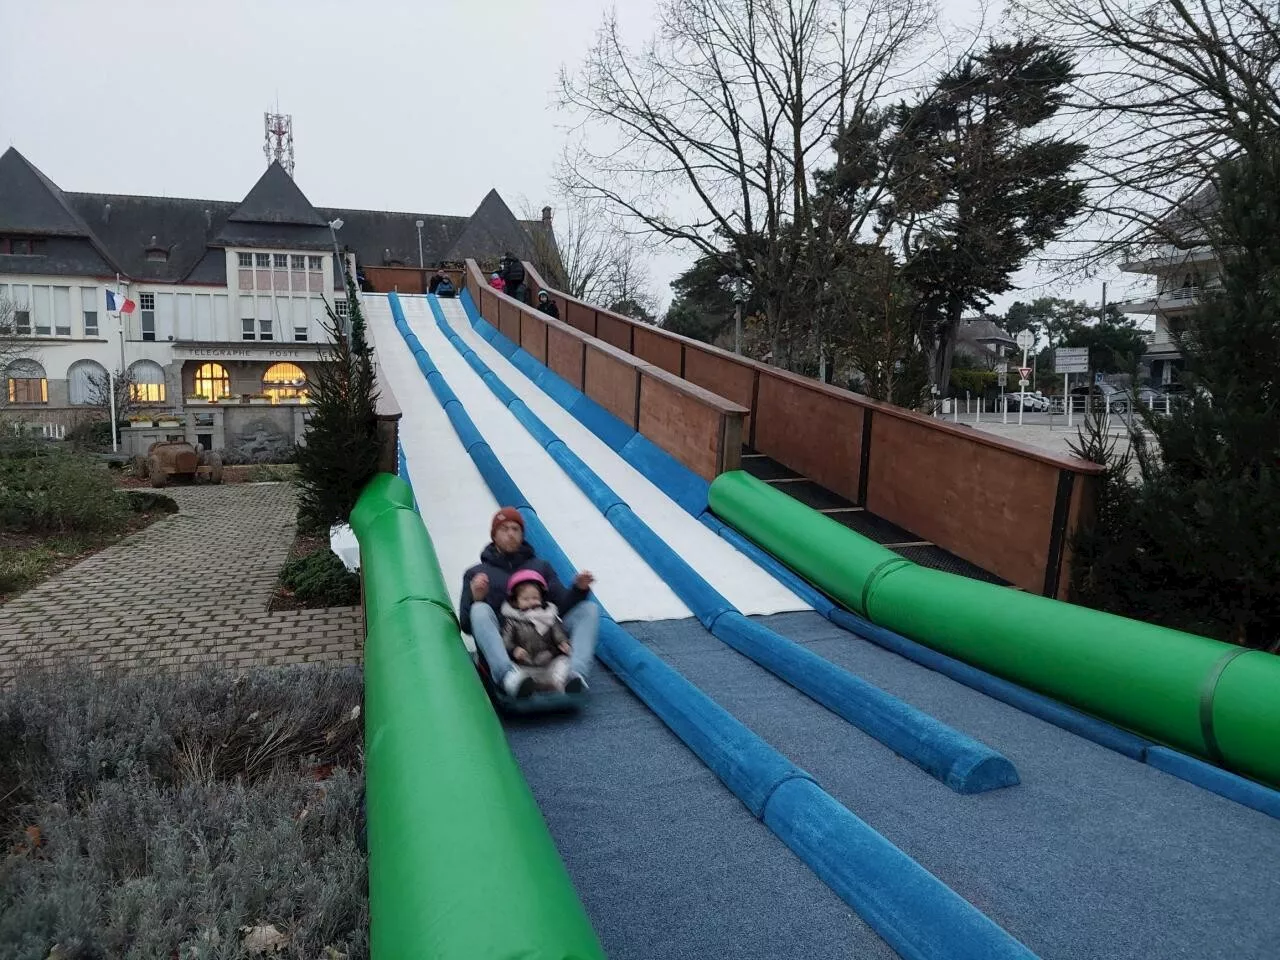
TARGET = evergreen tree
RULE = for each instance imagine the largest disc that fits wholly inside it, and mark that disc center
(1194, 543)
(340, 455)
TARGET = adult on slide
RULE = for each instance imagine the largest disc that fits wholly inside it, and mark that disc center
(484, 589)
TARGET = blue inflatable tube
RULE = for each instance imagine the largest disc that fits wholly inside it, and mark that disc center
(689, 491)
(959, 761)
(917, 914)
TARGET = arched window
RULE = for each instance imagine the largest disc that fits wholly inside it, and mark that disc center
(26, 382)
(147, 382)
(284, 381)
(212, 381)
(86, 382)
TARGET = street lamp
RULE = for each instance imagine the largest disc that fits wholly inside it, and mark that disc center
(334, 227)
(419, 225)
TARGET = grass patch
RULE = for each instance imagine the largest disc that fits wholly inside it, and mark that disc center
(149, 816)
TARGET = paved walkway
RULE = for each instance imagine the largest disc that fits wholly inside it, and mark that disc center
(190, 590)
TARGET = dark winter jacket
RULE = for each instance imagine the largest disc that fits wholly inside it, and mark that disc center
(499, 567)
(549, 308)
(519, 629)
(513, 274)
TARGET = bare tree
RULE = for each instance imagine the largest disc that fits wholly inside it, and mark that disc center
(1168, 89)
(13, 345)
(713, 128)
(591, 257)
(101, 386)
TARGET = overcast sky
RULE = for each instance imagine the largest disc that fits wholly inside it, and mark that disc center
(396, 104)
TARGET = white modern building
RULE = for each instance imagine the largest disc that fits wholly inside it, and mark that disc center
(1182, 271)
(230, 297)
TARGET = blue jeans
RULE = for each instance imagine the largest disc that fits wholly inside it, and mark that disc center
(582, 624)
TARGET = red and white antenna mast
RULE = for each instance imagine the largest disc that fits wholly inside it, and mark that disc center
(279, 139)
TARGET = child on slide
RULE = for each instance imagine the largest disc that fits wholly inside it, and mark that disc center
(532, 632)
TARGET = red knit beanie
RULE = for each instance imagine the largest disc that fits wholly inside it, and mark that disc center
(506, 514)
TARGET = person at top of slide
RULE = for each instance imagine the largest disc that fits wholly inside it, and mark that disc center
(484, 590)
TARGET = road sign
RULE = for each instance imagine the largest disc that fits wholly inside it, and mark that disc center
(1097, 378)
(1071, 360)
(1024, 383)
(1025, 340)
(1024, 372)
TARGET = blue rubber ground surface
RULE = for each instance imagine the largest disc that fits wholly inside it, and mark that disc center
(667, 862)
(1093, 855)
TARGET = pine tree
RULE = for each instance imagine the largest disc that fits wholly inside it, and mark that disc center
(1194, 543)
(341, 451)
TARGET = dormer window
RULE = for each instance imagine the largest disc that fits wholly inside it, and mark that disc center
(21, 247)
(157, 253)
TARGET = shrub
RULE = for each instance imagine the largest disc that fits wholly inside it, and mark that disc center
(320, 579)
(169, 815)
(90, 436)
(45, 489)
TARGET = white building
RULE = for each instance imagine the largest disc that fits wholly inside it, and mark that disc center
(1182, 271)
(230, 298)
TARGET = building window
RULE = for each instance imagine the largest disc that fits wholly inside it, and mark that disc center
(300, 332)
(315, 263)
(284, 381)
(26, 382)
(146, 382)
(282, 261)
(264, 330)
(212, 382)
(246, 259)
(247, 329)
(299, 262)
(62, 311)
(22, 321)
(262, 259)
(41, 310)
(89, 305)
(342, 307)
(87, 383)
(147, 311)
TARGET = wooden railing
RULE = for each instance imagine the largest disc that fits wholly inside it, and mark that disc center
(1009, 508)
(696, 426)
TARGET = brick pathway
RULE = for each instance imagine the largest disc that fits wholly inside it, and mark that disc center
(190, 590)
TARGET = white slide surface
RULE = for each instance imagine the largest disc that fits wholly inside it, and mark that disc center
(456, 504)
(744, 584)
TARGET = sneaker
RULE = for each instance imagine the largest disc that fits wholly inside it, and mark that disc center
(575, 684)
(517, 683)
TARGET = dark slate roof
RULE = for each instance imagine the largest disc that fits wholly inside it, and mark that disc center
(383, 239)
(983, 329)
(31, 203)
(183, 227)
(113, 232)
(276, 198)
(492, 230)
(62, 256)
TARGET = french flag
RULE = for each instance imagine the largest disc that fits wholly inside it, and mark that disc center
(117, 303)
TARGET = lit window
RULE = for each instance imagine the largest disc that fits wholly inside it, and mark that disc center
(26, 382)
(246, 259)
(314, 263)
(262, 259)
(284, 381)
(212, 382)
(299, 262)
(247, 329)
(282, 261)
(146, 382)
(264, 330)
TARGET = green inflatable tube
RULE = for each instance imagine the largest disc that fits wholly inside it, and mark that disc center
(456, 839)
(1200, 695)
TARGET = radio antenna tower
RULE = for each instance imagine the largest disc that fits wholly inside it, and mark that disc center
(279, 139)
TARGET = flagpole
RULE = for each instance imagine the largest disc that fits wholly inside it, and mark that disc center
(111, 385)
